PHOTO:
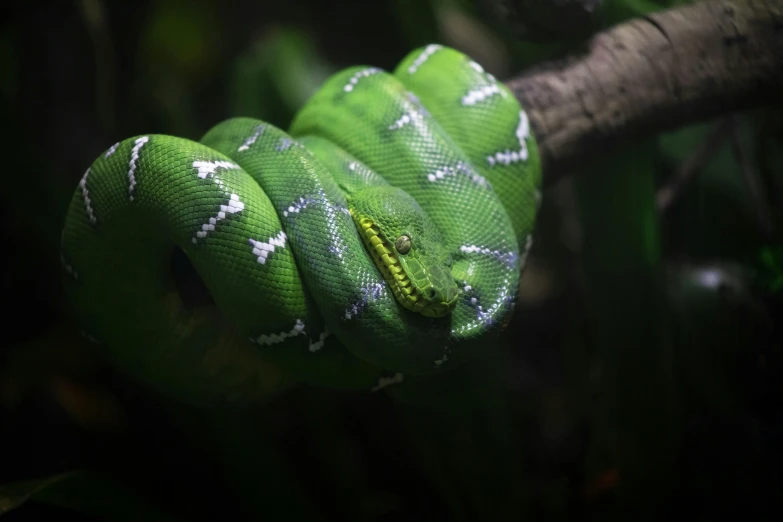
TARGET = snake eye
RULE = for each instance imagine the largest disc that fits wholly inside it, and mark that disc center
(403, 244)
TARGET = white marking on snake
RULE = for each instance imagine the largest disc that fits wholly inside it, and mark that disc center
(287, 143)
(415, 113)
(387, 381)
(476, 66)
(134, 161)
(460, 167)
(480, 94)
(509, 258)
(252, 139)
(358, 76)
(512, 156)
(317, 345)
(403, 120)
(86, 197)
(339, 251)
(482, 314)
(262, 250)
(421, 109)
(297, 206)
(111, 150)
(233, 206)
(207, 169)
(371, 293)
(423, 57)
(362, 171)
(68, 267)
(277, 338)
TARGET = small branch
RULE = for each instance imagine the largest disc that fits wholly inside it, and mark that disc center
(655, 74)
(753, 182)
(688, 169)
(94, 16)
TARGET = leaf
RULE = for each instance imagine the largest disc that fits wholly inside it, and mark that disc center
(771, 269)
(621, 265)
(276, 75)
(86, 492)
(180, 37)
(417, 21)
(15, 494)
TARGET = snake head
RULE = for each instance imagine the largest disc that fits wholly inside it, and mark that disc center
(408, 249)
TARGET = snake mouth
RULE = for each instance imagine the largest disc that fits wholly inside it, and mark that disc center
(410, 296)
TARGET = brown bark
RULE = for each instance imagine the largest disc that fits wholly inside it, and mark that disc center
(654, 74)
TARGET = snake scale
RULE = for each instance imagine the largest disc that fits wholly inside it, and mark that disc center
(379, 239)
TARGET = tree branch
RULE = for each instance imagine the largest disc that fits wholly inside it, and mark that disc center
(654, 74)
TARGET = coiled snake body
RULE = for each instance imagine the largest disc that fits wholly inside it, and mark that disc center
(383, 236)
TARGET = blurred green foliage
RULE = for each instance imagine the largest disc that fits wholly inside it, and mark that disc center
(642, 332)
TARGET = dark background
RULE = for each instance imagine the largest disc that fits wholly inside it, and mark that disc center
(640, 377)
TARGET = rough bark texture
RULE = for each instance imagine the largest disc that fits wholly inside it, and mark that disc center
(654, 74)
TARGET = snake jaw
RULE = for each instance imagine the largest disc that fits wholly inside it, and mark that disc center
(426, 300)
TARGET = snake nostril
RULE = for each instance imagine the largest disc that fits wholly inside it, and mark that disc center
(431, 293)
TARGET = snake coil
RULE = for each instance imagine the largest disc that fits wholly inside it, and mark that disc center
(265, 218)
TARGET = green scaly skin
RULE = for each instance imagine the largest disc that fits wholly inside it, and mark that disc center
(407, 247)
(271, 222)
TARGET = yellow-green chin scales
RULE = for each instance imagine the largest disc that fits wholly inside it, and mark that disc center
(407, 251)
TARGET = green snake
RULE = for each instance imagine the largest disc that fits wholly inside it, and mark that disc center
(380, 239)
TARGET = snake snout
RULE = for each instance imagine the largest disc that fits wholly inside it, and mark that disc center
(450, 295)
(440, 301)
(443, 296)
